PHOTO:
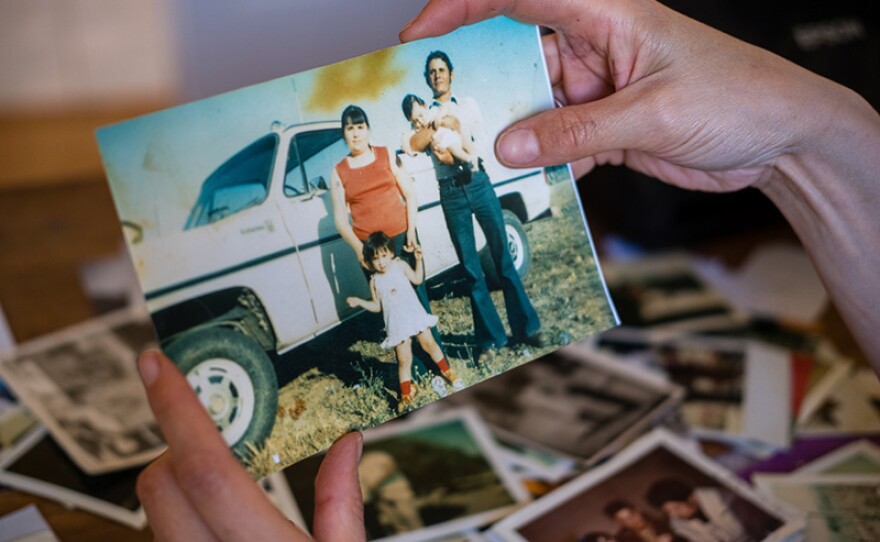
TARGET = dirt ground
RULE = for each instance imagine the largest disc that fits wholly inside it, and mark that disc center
(351, 382)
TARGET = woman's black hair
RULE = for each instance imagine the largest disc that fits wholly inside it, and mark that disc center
(354, 115)
(407, 105)
(375, 242)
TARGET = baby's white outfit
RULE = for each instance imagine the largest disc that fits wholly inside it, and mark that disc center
(403, 313)
(445, 138)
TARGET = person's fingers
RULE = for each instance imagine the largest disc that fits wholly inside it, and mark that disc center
(574, 132)
(339, 507)
(204, 466)
(172, 516)
(551, 56)
(441, 16)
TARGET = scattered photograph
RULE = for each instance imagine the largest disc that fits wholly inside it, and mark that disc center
(536, 463)
(82, 384)
(575, 402)
(838, 507)
(658, 486)
(111, 495)
(666, 292)
(733, 387)
(858, 457)
(851, 405)
(346, 247)
(423, 479)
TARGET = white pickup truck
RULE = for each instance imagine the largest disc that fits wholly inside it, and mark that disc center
(259, 267)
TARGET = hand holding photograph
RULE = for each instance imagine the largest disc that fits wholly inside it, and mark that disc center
(325, 251)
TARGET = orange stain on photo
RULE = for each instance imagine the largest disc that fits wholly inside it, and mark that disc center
(362, 78)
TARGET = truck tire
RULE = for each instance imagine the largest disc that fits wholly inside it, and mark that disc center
(517, 245)
(234, 380)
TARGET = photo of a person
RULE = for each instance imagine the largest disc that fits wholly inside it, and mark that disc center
(701, 514)
(405, 318)
(637, 526)
(387, 490)
(446, 143)
(371, 193)
(465, 194)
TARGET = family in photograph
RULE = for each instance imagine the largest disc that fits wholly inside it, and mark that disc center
(375, 210)
(467, 193)
(371, 195)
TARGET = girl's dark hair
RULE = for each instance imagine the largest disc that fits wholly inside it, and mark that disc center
(407, 105)
(375, 242)
(354, 115)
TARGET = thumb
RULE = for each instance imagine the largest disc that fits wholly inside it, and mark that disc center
(572, 132)
(339, 508)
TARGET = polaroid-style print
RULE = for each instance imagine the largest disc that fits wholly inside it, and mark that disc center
(657, 484)
(838, 507)
(666, 292)
(83, 384)
(734, 388)
(111, 495)
(852, 405)
(578, 403)
(858, 457)
(423, 478)
(248, 217)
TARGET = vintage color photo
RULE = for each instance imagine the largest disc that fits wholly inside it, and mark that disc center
(660, 486)
(857, 457)
(838, 507)
(324, 251)
(575, 402)
(82, 383)
(734, 388)
(438, 476)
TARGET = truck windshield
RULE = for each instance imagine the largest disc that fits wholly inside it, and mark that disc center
(239, 183)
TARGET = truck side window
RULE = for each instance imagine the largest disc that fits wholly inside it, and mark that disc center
(239, 183)
(319, 151)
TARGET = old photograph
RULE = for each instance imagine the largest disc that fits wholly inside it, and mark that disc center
(574, 402)
(436, 476)
(658, 486)
(346, 247)
(111, 495)
(734, 388)
(82, 383)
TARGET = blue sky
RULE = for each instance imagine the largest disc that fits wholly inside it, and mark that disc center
(156, 163)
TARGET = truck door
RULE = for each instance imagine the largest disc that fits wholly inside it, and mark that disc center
(331, 267)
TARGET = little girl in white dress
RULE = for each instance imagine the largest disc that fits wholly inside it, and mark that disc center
(393, 295)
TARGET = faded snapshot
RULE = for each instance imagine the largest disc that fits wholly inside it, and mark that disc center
(438, 475)
(345, 245)
(659, 488)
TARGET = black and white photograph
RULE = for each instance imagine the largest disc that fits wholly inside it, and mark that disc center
(734, 387)
(658, 488)
(574, 402)
(666, 292)
(83, 385)
(346, 246)
(424, 478)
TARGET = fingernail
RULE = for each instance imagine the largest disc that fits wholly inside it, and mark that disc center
(518, 147)
(407, 25)
(148, 366)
